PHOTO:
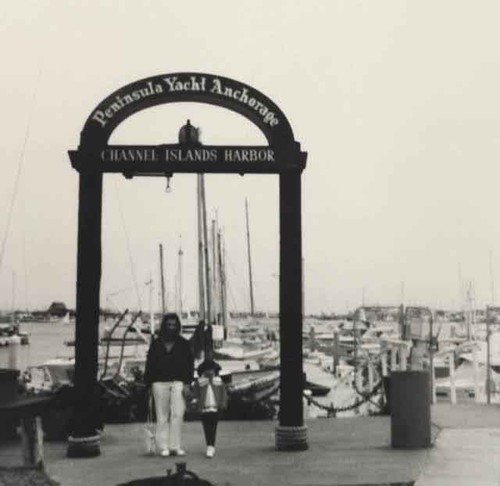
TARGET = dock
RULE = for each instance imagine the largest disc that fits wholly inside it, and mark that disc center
(349, 451)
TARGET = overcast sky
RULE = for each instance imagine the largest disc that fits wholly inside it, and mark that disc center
(396, 102)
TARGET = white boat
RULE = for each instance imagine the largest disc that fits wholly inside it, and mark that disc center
(10, 334)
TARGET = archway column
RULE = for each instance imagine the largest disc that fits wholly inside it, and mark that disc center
(291, 433)
(84, 440)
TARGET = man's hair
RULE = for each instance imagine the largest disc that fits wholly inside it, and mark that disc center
(170, 316)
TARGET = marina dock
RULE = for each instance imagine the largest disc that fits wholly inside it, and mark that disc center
(357, 451)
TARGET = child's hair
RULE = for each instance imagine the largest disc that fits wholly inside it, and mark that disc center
(208, 364)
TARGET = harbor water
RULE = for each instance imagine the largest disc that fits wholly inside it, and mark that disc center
(46, 342)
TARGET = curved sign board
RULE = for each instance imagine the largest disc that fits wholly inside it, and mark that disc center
(94, 153)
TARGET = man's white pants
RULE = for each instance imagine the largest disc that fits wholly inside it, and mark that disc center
(170, 407)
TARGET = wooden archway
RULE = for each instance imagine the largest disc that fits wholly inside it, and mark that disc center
(95, 157)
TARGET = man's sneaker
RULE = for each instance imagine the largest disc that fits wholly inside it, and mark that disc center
(178, 452)
(210, 451)
(165, 453)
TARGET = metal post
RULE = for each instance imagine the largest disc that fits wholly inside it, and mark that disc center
(453, 388)
(84, 438)
(370, 376)
(431, 358)
(336, 351)
(291, 433)
(433, 383)
(488, 359)
(394, 358)
(477, 388)
(359, 378)
(383, 358)
(403, 357)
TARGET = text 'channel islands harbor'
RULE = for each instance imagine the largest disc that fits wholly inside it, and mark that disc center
(84, 383)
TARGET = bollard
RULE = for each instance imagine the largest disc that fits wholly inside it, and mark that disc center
(410, 410)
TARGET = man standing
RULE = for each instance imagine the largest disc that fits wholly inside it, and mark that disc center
(169, 371)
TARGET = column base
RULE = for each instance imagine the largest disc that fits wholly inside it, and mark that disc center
(291, 438)
(84, 446)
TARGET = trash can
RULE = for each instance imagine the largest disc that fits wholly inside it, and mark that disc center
(410, 405)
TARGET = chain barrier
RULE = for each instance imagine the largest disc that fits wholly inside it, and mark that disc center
(366, 396)
(332, 410)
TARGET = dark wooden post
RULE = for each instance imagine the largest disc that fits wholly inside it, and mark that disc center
(32, 441)
(84, 438)
(291, 433)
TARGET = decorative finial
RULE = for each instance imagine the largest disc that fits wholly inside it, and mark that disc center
(189, 134)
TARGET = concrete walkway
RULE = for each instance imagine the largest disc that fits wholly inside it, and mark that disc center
(467, 451)
(342, 452)
(466, 457)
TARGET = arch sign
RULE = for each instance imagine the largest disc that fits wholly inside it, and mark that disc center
(281, 153)
(96, 157)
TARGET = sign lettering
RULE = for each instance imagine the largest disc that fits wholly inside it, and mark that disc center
(138, 154)
(179, 84)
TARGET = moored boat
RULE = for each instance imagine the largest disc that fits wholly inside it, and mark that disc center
(10, 334)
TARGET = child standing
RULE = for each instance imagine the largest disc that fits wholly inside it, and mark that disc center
(212, 397)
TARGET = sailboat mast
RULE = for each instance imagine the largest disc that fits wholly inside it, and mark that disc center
(151, 307)
(201, 287)
(13, 293)
(162, 281)
(207, 263)
(215, 273)
(222, 281)
(252, 307)
(181, 253)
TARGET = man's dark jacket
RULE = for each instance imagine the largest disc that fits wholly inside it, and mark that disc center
(176, 365)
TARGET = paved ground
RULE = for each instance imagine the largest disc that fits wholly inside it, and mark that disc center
(467, 451)
(342, 452)
(464, 457)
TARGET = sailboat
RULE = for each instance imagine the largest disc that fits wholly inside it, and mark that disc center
(248, 382)
(247, 341)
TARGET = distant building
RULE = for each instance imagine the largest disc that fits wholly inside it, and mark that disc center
(57, 309)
